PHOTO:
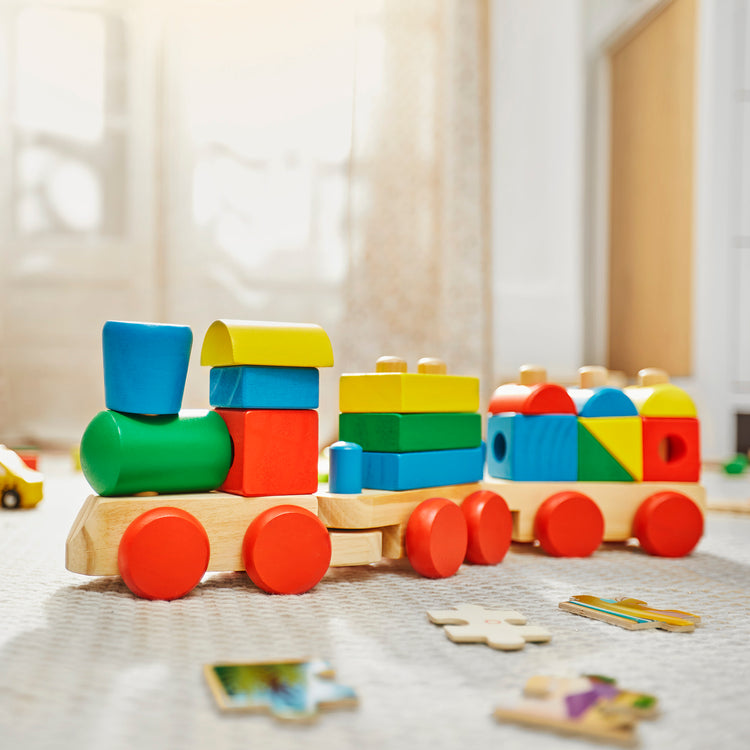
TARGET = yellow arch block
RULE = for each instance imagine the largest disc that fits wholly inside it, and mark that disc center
(623, 439)
(408, 392)
(661, 400)
(249, 342)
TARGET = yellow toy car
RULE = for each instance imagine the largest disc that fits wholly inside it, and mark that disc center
(20, 486)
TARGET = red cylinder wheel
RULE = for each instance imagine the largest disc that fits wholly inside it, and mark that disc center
(286, 550)
(569, 524)
(436, 538)
(489, 524)
(163, 554)
(668, 524)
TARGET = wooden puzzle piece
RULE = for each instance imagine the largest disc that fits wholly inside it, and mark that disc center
(502, 629)
(290, 691)
(631, 614)
(589, 705)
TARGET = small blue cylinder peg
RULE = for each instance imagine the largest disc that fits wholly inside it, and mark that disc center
(145, 366)
(345, 470)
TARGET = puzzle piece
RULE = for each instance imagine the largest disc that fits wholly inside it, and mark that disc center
(289, 691)
(503, 629)
(631, 614)
(589, 705)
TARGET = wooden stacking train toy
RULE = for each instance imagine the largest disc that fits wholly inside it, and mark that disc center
(235, 487)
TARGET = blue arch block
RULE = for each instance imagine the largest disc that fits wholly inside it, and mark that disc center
(533, 448)
(145, 366)
(602, 402)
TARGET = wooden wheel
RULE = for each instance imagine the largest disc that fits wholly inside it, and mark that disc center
(286, 550)
(668, 524)
(436, 538)
(569, 524)
(489, 525)
(163, 554)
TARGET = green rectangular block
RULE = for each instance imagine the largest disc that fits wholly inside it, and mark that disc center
(406, 433)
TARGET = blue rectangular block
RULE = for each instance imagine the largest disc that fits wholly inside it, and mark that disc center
(533, 448)
(410, 471)
(263, 387)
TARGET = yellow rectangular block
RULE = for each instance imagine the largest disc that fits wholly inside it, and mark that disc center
(405, 392)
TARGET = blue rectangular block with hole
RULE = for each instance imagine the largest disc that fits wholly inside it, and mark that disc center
(411, 471)
(533, 448)
(264, 387)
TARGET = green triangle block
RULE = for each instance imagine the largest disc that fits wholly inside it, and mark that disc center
(596, 463)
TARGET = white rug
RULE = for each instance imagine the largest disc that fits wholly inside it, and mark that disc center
(84, 664)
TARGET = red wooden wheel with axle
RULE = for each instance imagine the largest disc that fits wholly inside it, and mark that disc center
(436, 538)
(569, 524)
(286, 550)
(490, 526)
(163, 554)
(668, 524)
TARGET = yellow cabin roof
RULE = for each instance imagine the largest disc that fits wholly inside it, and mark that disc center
(661, 400)
(250, 342)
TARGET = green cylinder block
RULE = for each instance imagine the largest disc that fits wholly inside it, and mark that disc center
(123, 454)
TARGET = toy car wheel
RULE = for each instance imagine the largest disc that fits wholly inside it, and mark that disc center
(668, 524)
(286, 550)
(11, 499)
(436, 538)
(569, 524)
(490, 525)
(163, 554)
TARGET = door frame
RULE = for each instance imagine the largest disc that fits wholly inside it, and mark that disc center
(715, 137)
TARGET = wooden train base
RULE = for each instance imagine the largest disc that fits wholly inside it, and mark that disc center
(162, 545)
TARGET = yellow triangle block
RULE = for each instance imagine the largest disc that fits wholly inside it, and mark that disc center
(623, 439)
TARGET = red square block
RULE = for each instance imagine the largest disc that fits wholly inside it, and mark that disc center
(275, 451)
(671, 449)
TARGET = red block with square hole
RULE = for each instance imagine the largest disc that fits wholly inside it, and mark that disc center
(275, 451)
(671, 449)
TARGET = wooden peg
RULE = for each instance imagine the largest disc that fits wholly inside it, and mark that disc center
(431, 366)
(652, 376)
(592, 376)
(532, 375)
(390, 364)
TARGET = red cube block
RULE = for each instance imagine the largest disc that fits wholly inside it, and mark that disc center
(275, 451)
(671, 449)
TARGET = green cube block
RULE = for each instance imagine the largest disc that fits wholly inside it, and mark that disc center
(405, 433)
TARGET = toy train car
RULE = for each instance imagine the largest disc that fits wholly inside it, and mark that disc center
(235, 488)
(595, 463)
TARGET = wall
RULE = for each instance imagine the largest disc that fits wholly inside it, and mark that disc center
(538, 118)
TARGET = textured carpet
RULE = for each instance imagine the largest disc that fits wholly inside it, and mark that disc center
(84, 664)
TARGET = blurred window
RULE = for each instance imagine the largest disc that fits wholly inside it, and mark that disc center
(68, 115)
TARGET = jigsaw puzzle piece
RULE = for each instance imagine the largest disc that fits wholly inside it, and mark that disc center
(502, 629)
(289, 691)
(631, 614)
(590, 705)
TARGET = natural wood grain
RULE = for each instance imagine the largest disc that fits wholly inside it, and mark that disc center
(651, 193)
(95, 536)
